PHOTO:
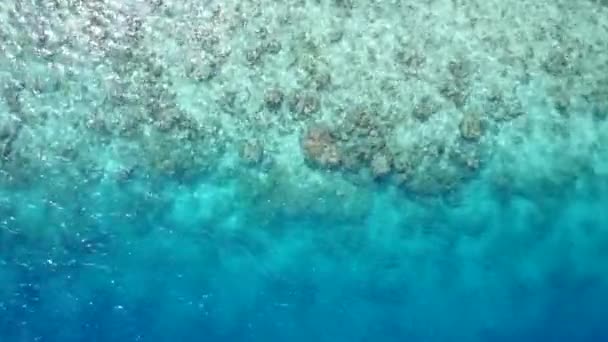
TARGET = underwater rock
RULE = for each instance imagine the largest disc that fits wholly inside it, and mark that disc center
(559, 63)
(460, 70)
(470, 127)
(335, 36)
(600, 110)
(345, 4)
(504, 105)
(456, 92)
(7, 129)
(380, 166)
(254, 55)
(319, 80)
(273, 99)
(424, 108)
(203, 71)
(362, 138)
(12, 97)
(252, 152)
(273, 46)
(304, 103)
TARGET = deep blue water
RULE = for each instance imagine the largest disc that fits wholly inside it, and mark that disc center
(147, 262)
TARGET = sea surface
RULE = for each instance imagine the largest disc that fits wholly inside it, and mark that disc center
(197, 262)
(233, 251)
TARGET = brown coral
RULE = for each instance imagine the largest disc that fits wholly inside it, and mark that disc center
(320, 148)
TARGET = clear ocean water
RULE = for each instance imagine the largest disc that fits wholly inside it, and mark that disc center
(131, 266)
(216, 254)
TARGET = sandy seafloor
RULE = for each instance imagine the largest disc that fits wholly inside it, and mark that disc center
(303, 170)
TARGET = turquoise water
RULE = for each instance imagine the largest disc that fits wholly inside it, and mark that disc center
(128, 266)
(303, 171)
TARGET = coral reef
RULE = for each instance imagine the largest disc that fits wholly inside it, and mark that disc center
(304, 103)
(380, 166)
(121, 81)
(470, 127)
(320, 147)
(252, 152)
(273, 98)
(9, 129)
(425, 108)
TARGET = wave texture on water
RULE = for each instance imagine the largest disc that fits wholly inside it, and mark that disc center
(328, 170)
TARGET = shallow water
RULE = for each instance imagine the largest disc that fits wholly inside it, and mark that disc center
(112, 231)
